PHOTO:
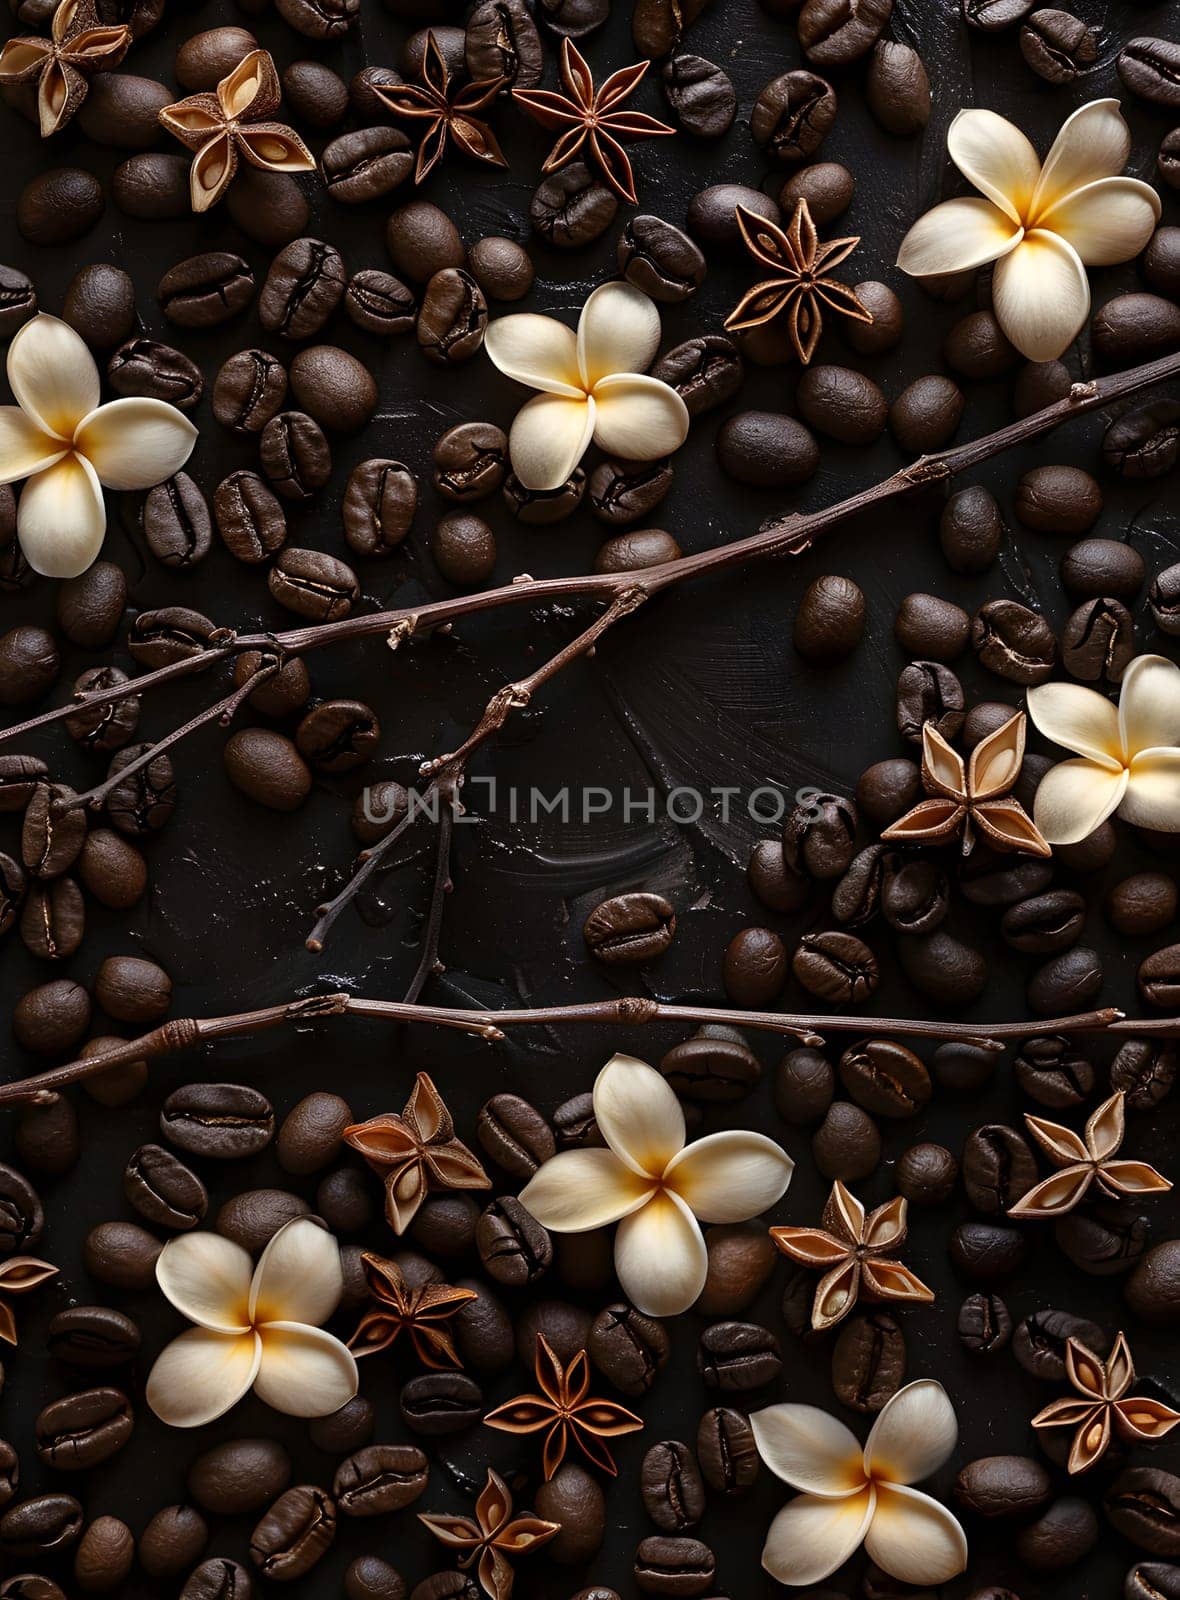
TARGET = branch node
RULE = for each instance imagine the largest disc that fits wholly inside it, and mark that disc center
(524, 577)
(401, 631)
(635, 1008)
(1079, 392)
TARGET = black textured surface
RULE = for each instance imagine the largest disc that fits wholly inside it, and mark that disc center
(702, 688)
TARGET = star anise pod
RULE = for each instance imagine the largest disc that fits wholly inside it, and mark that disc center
(564, 1411)
(493, 1537)
(592, 118)
(1105, 1406)
(971, 798)
(447, 114)
(418, 1312)
(802, 284)
(415, 1152)
(18, 1275)
(232, 123)
(852, 1250)
(78, 46)
(1084, 1162)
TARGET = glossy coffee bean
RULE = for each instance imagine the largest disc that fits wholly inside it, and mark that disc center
(515, 1135)
(572, 208)
(830, 621)
(1135, 327)
(628, 1348)
(885, 1078)
(470, 461)
(366, 164)
(1052, 1071)
(971, 530)
(1041, 1341)
(1142, 1504)
(379, 1479)
(253, 1217)
(122, 1254)
(163, 1190)
(925, 1174)
(868, 1361)
(452, 318)
(998, 1168)
(313, 584)
(659, 259)
(995, 1487)
(502, 268)
(83, 1430)
(312, 1131)
(379, 505)
(333, 387)
(173, 1539)
(464, 549)
(131, 989)
(239, 1476)
(792, 116)
(295, 455)
(754, 967)
(1014, 642)
(218, 1579)
(984, 1324)
(92, 1337)
(984, 1252)
(842, 404)
(1145, 1071)
(338, 735)
(434, 1404)
(219, 1121)
(513, 1246)
(294, 1534)
(380, 303)
(677, 1567)
(671, 1487)
(714, 1065)
(1057, 45)
(701, 95)
(1144, 443)
(926, 414)
(847, 1144)
(1152, 1580)
(248, 391)
(726, 1451)
(39, 1527)
(304, 285)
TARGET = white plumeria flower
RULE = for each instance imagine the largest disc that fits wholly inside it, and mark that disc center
(1041, 225)
(1129, 762)
(67, 446)
(593, 386)
(852, 1496)
(655, 1186)
(256, 1327)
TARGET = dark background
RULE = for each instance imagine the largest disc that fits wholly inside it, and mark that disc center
(703, 688)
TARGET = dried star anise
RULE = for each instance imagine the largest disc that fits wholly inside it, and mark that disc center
(77, 47)
(231, 123)
(418, 1312)
(852, 1249)
(415, 1152)
(1105, 1405)
(1083, 1162)
(973, 797)
(447, 115)
(488, 1540)
(592, 118)
(564, 1411)
(802, 284)
(18, 1275)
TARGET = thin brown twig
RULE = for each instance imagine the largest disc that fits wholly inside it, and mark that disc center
(628, 1011)
(429, 964)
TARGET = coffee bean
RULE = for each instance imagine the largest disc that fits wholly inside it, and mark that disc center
(267, 767)
(670, 1483)
(379, 1479)
(925, 1174)
(1098, 641)
(624, 491)
(316, 94)
(828, 187)
(1150, 68)
(998, 1168)
(793, 114)
(249, 518)
(303, 287)
(830, 621)
(1057, 46)
(836, 967)
(897, 88)
(29, 664)
(575, 1502)
(712, 219)
(249, 390)
(205, 290)
(218, 1579)
(1104, 1239)
(804, 1086)
(146, 369)
(1096, 567)
(319, 19)
(1164, 598)
(767, 449)
(59, 205)
(379, 506)
(868, 1361)
(338, 735)
(438, 1403)
(13, 885)
(1002, 1486)
(176, 522)
(1061, 1536)
(345, 1431)
(18, 300)
(630, 929)
(220, 1121)
(1065, 983)
(1152, 1580)
(847, 1144)
(100, 305)
(705, 372)
(51, 1018)
(1052, 1072)
(144, 800)
(152, 187)
(53, 920)
(772, 881)
(842, 404)
(294, 1534)
(92, 1337)
(515, 1135)
(1145, 1071)
(163, 1190)
(344, 1199)
(131, 989)
(502, 268)
(513, 1246)
(239, 1476)
(464, 549)
(835, 35)
(253, 1217)
(726, 1450)
(482, 1327)
(984, 1324)
(46, 1138)
(366, 164)
(674, 1567)
(1159, 978)
(629, 1348)
(741, 1257)
(702, 96)
(313, 584)
(1045, 923)
(19, 777)
(986, 1252)
(856, 899)
(573, 19)
(657, 28)
(659, 259)
(971, 531)
(1135, 327)
(51, 836)
(977, 348)
(885, 1078)
(1144, 443)
(1058, 500)
(989, 16)
(1014, 642)
(926, 414)
(1040, 1342)
(39, 1527)
(83, 1430)
(333, 387)
(929, 627)
(502, 42)
(369, 1578)
(1142, 1504)
(1161, 259)
(422, 240)
(452, 318)
(312, 1132)
(104, 1556)
(754, 967)
(714, 1065)
(205, 58)
(121, 1254)
(102, 726)
(295, 455)
(572, 208)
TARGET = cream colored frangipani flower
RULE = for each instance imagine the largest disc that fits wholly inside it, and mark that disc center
(67, 446)
(852, 1496)
(1129, 758)
(256, 1327)
(655, 1186)
(593, 386)
(1041, 225)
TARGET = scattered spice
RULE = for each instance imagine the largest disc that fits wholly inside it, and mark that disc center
(493, 1538)
(19, 1275)
(1083, 1162)
(447, 114)
(563, 1409)
(1105, 1406)
(416, 1312)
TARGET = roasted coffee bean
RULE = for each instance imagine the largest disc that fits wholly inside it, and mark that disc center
(338, 735)
(502, 42)
(846, 1145)
(333, 387)
(1153, 1289)
(249, 389)
(1145, 1071)
(998, 1168)
(53, 920)
(1046, 923)
(19, 777)
(767, 449)
(92, 1337)
(830, 621)
(1135, 327)
(447, 1586)
(915, 896)
(131, 989)
(754, 967)
(741, 1257)
(90, 607)
(926, 413)
(253, 1217)
(121, 1254)
(624, 491)
(1143, 1504)
(1002, 1486)
(842, 404)
(971, 530)
(239, 1476)
(1039, 1343)
(828, 187)
(804, 1086)
(897, 87)
(347, 1430)
(670, 1483)
(1057, 46)
(41, 1526)
(452, 318)
(464, 549)
(174, 633)
(705, 372)
(162, 1189)
(1058, 500)
(988, 879)
(319, 19)
(819, 836)
(221, 1121)
(422, 240)
(205, 290)
(660, 259)
(1164, 599)
(470, 461)
(657, 28)
(46, 1138)
(515, 1135)
(986, 1252)
(104, 1556)
(573, 19)
(438, 1403)
(144, 800)
(1152, 1580)
(52, 835)
(931, 628)
(887, 789)
(312, 1132)
(574, 1124)
(294, 1533)
(1144, 443)
(21, 1216)
(1159, 977)
(836, 967)
(29, 664)
(1096, 567)
(51, 1018)
(345, 1201)
(100, 305)
(9, 1474)
(218, 1579)
(737, 1356)
(18, 300)
(176, 522)
(286, 690)
(726, 1451)
(482, 1327)
(834, 34)
(573, 1500)
(366, 164)
(380, 303)
(303, 287)
(960, 1065)
(205, 58)
(714, 1065)
(572, 208)
(1052, 1072)
(712, 217)
(885, 1078)
(249, 518)
(868, 1361)
(379, 1479)
(153, 186)
(1161, 259)
(102, 725)
(143, 368)
(502, 268)
(792, 116)
(674, 1567)
(989, 16)
(316, 94)
(1065, 983)
(1014, 642)
(768, 875)
(1150, 68)
(984, 1324)
(313, 584)
(59, 205)
(117, 1085)
(295, 455)
(702, 96)
(31, 1586)
(629, 1348)
(1104, 1239)
(379, 506)
(84, 1429)
(925, 1174)
(977, 348)
(13, 885)
(513, 1246)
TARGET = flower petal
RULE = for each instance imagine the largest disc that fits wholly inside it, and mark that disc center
(1152, 799)
(995, 156)
(810, 1449)
(914, 1538)
(582, 1189)
(810, 1538)
(730, 1177)
(618, 331)
(1079, 719)
(304, 1371)
(52, 374)
(1041, 295)
(1107, 221)
(913, 1435)
(1149, 705)
(199, 1376)
(1074, 798)
(638, 1115)
(25, 447)
(62, 519)
(956, 236)
(638, 417)
(135, 443)
(1091, 144)
(660, 1257)
(549, 436)
(207, 1279)
(539, 351)
(298, 1277)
